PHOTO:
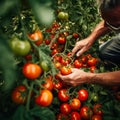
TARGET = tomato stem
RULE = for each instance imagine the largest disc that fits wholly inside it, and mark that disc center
(29, 96)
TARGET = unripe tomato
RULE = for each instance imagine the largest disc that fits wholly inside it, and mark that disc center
(20, 47)
(83, 95)
(19, 94)
(45, 98)
(31, 70)
(45, 65)
(63, 15)
(37, 37)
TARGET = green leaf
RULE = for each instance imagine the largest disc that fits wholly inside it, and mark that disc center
(44, 113)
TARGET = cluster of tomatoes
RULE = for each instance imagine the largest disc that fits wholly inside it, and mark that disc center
(42, 83)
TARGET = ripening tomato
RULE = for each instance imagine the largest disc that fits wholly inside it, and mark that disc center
(75, 104)
(65, 108)
(31, 70)
(45, 98)
(97, 109)
(61, 40)
(48, 83)
(117, 95)
(19, 94)
(65, 70)
(75, 116)
(63, 95)
(86, 113)
(83, 95)
(37, 37)
(92, 61)
(96, 117)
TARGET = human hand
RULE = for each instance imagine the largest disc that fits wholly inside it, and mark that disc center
(77, 77)
(81, 47)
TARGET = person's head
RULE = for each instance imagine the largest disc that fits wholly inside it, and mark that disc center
(110, 11)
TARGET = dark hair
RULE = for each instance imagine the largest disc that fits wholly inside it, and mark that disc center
(108, 4)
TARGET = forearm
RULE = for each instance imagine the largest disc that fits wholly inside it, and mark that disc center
(108, 78)
(100, 30)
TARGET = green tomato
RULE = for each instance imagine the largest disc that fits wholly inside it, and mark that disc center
(63, 16)
(95, 97)
(20, 47)
(45, 65)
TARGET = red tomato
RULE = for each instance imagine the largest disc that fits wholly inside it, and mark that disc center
(57, 85)
(84, 59)
(48, 83)
(65, 70)
(75, 104)
(92, 61)
(37, 36)
(96, 117)
(117, 95)
(83, 95)
(63, 95)
(19, 94)
(92, 69)
(47, 42)
(54, 51)
(86, 113)
(97, 109)
(61, 40)
(65, 108)
(75, 116)
(78, 64)
(61, 116)
(75, 35)
(31, 70)
(65, 61)
(45, 98)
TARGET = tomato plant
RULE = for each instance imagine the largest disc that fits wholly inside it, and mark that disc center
(83, 95)
(31, 70)
(45, 98)
(19, 94)
(20, 47)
